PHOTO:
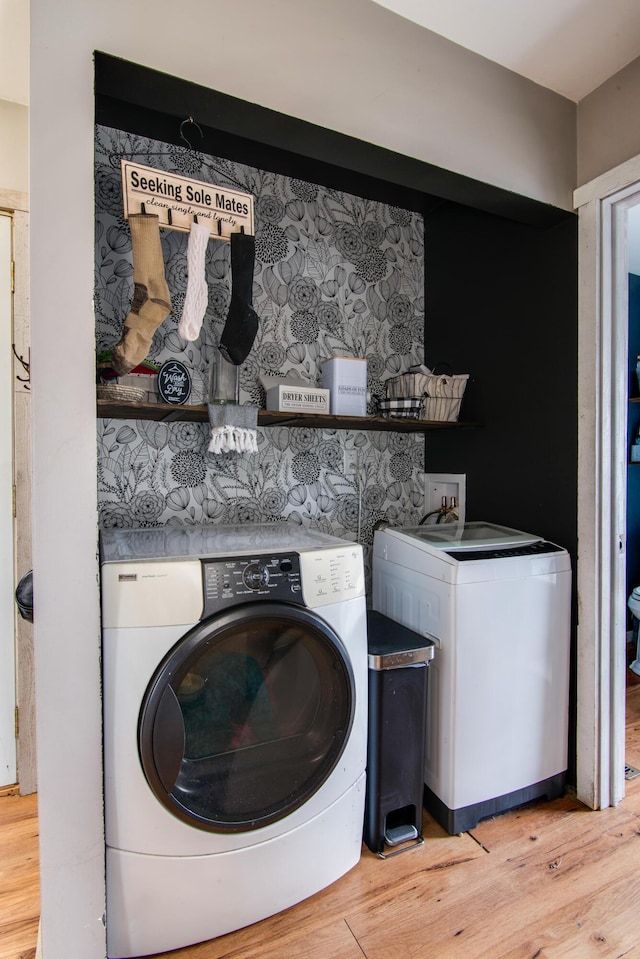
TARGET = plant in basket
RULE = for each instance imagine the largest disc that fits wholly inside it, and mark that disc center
(140, 383)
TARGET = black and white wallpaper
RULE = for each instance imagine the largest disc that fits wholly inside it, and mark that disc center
(335, 275)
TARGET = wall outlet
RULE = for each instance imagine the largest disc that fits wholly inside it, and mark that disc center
(449, 485)
(351, 462)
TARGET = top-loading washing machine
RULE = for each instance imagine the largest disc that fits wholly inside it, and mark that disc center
(235, 718)
(496, 602)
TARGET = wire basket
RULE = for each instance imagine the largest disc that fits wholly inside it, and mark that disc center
(407, 408)
(439, 394)
(406, 385)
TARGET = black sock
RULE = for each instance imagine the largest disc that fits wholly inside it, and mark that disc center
(242, 320)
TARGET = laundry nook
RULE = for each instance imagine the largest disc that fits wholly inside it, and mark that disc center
(309, 643)
(321, 427)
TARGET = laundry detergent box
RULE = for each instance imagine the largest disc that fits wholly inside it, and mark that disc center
(346, 379)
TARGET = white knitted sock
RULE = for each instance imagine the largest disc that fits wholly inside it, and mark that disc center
(195, 302)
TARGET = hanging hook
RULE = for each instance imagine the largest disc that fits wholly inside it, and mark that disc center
(193, 122)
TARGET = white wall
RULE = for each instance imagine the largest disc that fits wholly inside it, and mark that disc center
(348, 65)
(608, 127)
(14, 147)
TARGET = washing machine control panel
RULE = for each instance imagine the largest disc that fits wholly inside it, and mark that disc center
(243, 579)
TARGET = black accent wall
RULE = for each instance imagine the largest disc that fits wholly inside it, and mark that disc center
(501, 304)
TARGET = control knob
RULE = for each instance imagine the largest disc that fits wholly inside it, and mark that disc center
(255, 576)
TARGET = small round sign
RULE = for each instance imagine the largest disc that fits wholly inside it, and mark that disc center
(174, 382)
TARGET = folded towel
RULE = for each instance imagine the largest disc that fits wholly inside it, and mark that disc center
(233, 427)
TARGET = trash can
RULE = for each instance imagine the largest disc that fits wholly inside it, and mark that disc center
(634, 606)
(398, 670)
(24, 596)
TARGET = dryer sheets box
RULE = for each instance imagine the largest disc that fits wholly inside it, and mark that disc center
(298, 399)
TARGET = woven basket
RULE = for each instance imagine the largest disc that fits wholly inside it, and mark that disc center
(117, 392)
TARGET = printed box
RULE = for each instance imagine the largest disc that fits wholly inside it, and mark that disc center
(298, 399)
(346, 379)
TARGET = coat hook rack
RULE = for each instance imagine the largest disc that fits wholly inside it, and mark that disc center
(179, 201)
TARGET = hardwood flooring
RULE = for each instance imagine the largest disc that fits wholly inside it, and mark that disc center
(548, 881)
(19, 881)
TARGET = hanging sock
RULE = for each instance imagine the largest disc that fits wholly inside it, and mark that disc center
(151, 300)
(242, 321)
(233, 428)
(197, 298)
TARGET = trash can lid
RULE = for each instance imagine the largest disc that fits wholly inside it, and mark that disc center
(391, 645)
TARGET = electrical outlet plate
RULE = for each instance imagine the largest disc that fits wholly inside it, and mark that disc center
(437, 485)
(350, 462)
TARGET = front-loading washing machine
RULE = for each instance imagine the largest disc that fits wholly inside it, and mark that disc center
(235, 726)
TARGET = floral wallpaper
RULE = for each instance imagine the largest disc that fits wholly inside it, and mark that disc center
(335, 275)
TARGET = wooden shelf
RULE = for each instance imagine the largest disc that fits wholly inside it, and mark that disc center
(108, 409)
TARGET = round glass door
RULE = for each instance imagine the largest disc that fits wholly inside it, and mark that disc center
(246, 717)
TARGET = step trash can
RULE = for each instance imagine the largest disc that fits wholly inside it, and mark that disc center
(24, 596)
(398, 661)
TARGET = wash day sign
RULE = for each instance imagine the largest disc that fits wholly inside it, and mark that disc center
(177, 200)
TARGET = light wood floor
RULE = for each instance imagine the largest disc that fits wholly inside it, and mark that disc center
(549, 881)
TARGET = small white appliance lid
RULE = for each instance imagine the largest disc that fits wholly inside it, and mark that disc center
(456, 536)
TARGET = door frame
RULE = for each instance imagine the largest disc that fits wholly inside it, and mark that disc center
(8, 744)
(17, 204)
(602, 205)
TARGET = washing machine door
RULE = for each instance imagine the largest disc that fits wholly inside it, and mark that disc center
(247, 716)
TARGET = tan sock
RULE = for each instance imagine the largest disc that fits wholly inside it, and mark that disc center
(151, 299)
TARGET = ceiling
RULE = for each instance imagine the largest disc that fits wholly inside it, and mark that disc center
(569, 46)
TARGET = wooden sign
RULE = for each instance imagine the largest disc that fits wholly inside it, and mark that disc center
(178, 199)
(174, 382)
